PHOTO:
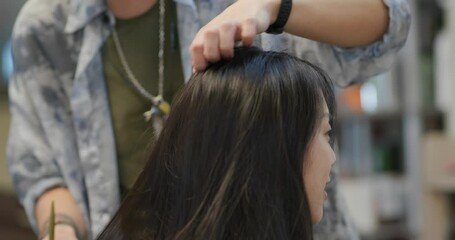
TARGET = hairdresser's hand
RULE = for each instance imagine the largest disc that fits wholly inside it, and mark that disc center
(241, 21)
(63, 232)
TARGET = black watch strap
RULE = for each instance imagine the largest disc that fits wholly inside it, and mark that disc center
(283, 15)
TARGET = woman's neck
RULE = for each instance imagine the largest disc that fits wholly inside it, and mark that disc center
(125, 9)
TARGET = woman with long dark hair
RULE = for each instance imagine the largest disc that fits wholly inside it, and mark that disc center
(245, 154)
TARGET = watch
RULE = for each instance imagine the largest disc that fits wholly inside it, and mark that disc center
(283, 15)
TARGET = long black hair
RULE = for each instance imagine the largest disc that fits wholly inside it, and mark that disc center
(229, 161)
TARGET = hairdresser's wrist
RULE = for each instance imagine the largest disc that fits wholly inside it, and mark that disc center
(64, 228)
(273, 8)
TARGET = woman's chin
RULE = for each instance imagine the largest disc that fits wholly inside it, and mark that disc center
(317, 217)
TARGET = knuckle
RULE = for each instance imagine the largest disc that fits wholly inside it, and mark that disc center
(228, 25)
(249, 21)
(194, 47)
(211, 32)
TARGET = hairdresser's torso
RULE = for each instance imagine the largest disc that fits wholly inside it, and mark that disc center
(76, 110)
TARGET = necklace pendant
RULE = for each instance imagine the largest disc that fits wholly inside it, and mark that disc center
(164, 108)
(161, 110)
(158, 113)
(151, 113)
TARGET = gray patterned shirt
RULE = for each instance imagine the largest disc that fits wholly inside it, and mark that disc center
(61, 131)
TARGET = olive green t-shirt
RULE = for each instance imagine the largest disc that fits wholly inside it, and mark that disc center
(139, 40)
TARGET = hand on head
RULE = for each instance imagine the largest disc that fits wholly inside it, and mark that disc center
(240, 22)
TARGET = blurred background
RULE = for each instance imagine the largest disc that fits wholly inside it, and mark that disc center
(13, 223)
(396, 136)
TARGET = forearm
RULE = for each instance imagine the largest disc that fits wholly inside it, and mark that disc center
(346, 23)
(64, 204)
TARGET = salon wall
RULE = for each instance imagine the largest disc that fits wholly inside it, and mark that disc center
(395, 155)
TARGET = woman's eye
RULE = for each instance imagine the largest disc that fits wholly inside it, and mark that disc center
(329, 133)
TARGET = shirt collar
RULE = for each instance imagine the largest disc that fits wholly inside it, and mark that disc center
(81, 12)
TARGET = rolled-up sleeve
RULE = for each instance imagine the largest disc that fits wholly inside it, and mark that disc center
(352, 65)
(31, 161)
(357, 64)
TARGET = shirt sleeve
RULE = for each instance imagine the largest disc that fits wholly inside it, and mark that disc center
(358, 64)
(31, 161)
